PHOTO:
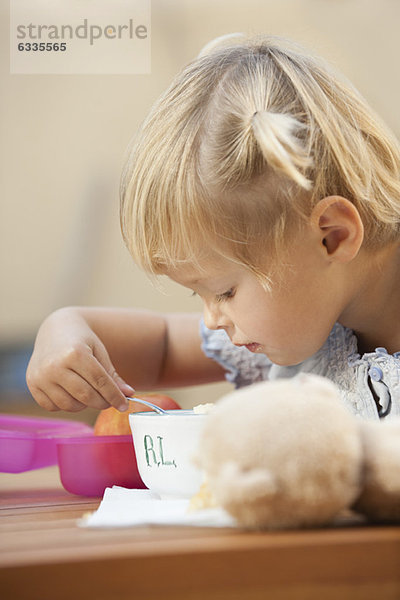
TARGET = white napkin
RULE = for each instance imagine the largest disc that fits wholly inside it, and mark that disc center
(121, 507)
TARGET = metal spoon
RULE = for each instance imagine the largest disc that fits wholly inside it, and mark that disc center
(156, 409)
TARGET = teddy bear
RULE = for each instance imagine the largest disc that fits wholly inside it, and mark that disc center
(288, 453)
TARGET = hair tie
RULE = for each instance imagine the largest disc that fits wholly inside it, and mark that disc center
(252, 117)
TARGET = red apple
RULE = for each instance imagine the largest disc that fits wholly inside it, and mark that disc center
(111, 421)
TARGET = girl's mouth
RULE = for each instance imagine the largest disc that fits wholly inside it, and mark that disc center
(253, 347)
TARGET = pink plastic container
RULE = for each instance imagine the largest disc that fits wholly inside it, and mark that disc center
(90, 464)
(28, 443)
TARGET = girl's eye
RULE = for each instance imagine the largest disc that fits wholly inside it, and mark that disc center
(225, 296)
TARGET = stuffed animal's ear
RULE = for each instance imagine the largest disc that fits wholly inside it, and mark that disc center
(239, 484)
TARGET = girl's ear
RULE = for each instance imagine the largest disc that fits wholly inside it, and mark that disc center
(338, 225)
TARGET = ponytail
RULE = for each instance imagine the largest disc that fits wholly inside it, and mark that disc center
(275, 135)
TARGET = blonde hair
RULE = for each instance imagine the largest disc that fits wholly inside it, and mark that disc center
(240, 148)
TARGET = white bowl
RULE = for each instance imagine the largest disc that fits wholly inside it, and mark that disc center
(164, 447)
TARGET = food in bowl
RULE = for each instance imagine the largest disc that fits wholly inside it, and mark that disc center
(203, 409)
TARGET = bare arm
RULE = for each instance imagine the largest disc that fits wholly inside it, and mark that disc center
(151, 350)
(91, 356)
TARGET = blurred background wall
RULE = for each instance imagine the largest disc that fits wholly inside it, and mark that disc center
(62, 144)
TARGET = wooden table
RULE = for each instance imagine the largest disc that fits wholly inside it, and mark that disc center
(44, 555)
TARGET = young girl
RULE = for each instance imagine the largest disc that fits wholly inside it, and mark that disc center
(265, 184)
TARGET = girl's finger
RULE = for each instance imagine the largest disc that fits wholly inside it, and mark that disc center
(124, 389)
(80, 389)
(103, 383)
(44, 401)
(63, 399)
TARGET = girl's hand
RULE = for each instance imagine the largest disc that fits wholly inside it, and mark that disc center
(70, 367)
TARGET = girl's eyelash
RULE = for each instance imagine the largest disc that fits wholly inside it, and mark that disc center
(225, 296)
(220, 297)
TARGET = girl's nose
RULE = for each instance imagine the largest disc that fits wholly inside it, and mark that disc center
(214, 318)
